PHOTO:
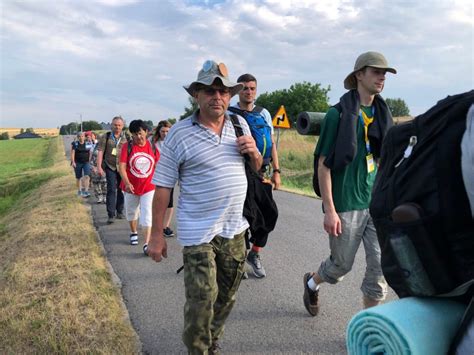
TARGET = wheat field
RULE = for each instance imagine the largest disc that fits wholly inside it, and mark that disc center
(45, 132)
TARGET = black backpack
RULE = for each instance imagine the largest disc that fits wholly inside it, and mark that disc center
(420, 207)
(260, 208)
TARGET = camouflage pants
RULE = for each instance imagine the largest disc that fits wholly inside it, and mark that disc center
(212, 275)
(100, 185)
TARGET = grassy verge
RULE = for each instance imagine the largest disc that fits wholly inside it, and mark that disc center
(56, 294)
(295, 153)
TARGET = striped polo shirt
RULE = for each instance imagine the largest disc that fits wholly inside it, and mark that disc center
(212, 180)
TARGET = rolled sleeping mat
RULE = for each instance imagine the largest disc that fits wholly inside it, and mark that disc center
(309, 123)
(407, 326)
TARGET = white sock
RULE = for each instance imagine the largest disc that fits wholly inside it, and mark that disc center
(313, 285)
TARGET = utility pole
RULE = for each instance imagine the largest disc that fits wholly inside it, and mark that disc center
(81, 120)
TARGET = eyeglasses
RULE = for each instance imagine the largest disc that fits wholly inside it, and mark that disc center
(248, 88)
(210, 91)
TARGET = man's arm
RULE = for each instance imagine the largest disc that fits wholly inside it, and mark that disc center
(276, 178)
(100, 157)
(157, 247)
(332, 222)
(247, 146)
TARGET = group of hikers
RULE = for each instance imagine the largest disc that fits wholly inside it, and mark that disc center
(206, 157)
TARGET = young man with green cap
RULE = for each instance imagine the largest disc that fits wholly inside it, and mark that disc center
(347, 152)
(204, 155)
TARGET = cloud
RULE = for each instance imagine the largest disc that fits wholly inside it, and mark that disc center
(135, 56)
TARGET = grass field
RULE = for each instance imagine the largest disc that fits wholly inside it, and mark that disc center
(295, 153)
(56, 292)
(45, 132)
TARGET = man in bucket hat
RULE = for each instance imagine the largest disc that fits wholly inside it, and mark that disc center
(346, 164)
(203, 153)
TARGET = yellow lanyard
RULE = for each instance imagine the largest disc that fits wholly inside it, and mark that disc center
(365, 122)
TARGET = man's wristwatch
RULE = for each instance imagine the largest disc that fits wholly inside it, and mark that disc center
(277, 171)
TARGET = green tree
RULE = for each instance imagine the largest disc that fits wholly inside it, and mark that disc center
(188, 111)
(298, 98)
(398, 107)
(4, 136)
(91, 125)
(22, 130)
(30, 130)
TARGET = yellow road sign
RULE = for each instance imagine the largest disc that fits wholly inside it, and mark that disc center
(280, 120)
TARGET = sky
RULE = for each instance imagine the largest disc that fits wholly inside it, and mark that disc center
(95, 59)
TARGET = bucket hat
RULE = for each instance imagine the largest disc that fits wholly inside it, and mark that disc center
(210, 72)
(368, 59)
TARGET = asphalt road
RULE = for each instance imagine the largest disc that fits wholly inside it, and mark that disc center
(269, 316)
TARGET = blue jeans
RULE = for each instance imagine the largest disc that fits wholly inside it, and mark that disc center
(357, 226)
(115, 200)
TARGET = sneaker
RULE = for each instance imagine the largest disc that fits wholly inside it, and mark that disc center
(134, 239)
(79, 193)
(310, 297)
(120, 216)
(100, 199)
(253, 259)
(245, 276)
(86, 194)
(215, 349)
(145, 249)
(168, 232)
(110, 220)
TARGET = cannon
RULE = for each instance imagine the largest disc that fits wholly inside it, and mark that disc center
(309, 123)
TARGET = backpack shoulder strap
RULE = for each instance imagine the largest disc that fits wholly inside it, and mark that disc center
(257, 109)
(237, 127)
(238, 111)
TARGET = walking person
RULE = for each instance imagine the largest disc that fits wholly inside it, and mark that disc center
(80, 160)
(205, 156)
(136, 167)
(158, 138)
(347, 151)
(107, 163)
(99, 182)
(270, 168)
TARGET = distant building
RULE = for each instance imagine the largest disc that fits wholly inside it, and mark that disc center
(27, 135)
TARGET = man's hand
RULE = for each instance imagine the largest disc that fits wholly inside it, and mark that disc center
(100, 171)
(247, 145)
(157, 247)
(332, 224)
(276, 181)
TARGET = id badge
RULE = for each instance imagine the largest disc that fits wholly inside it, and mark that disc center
(370, 163)
(114, 152)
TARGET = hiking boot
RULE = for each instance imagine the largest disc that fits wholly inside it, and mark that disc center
(110, 220)
(134, 239)
(215, 349)
(310, 297)
(120, 215)
(253, 259)
(168, 232)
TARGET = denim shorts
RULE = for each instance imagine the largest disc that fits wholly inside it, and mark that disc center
(86, 167)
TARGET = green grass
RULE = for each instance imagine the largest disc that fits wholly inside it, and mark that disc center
(24, 166)
(295, 153)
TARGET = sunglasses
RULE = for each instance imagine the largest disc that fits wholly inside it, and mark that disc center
(210, 91)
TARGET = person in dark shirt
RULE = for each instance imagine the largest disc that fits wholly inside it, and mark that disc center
(80, 161)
